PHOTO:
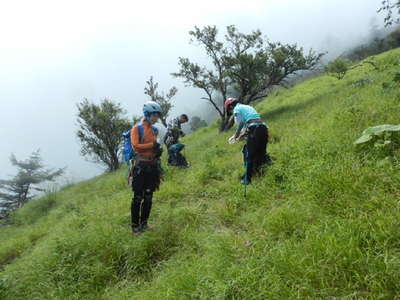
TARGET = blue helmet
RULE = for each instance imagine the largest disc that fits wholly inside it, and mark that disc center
(151, 107)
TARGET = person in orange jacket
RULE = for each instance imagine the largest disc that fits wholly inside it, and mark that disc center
(146, 171)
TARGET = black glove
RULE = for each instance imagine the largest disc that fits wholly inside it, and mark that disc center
(158, 150)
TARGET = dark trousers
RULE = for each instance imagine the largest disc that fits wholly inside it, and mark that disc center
(145, 180)
(175, 158)
(140, 208)
(255, 151)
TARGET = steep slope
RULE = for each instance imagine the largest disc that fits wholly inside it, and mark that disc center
(321, 224)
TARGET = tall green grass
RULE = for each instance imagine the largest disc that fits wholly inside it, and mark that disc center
(322, 223)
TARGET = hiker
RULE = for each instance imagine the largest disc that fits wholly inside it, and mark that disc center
(254, 130)
(171, 141)
(146, 168)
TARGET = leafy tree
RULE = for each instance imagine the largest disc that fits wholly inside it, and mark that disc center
(163, 99)
(392, 10)
(246, 63)
(16, 191)
(338, 68)
(255, 65)
(196, 123)
(100, 131)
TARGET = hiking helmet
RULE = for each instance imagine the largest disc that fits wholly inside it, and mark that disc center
(229, 102)
(151, 107)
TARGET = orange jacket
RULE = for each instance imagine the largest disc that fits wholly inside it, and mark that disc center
(144, 150)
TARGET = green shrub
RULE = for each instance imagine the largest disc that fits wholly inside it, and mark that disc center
(381, 141)
(338, 68)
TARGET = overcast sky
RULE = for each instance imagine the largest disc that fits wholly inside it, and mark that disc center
(54, 53)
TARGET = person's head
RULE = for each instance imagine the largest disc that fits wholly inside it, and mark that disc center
(230, 104)
(183, 118)
(151, 111)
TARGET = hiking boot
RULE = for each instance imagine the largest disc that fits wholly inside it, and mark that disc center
(136, 231)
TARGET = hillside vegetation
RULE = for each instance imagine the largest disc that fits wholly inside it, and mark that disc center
(323, 223)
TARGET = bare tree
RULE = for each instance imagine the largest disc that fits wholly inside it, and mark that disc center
(164, 100)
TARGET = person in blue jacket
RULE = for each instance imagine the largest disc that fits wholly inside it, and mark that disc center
(254, 130)
(171, 141)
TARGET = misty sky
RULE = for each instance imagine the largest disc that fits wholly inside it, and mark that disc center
(53, 54)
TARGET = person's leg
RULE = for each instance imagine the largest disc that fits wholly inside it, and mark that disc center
(170, 155)
(138, 191)
(268, 159)
(135, 209)
(261, 139)
(181, 160)
(251, 147)
(146, 207)
(152, 181)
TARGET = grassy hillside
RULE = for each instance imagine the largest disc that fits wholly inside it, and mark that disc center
(323, 223)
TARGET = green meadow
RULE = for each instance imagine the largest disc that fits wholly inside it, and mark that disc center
(322, 223)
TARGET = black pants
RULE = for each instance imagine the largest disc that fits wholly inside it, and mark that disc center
(145, 180)
(255, 151)
(175, 158)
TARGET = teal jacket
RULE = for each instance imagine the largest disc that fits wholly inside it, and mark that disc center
(243, 114)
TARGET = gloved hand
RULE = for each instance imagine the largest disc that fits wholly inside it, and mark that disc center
(232, 140)
(158, 150)
(156, 145)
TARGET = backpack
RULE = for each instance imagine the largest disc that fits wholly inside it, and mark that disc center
(128, 151)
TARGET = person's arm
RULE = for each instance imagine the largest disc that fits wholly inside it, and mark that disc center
(238, 120)
(178, 128)
(136, 141)
(165, 137)
(168, 137)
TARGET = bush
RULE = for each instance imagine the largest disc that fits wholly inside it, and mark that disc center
(338, 68)
(381, 141)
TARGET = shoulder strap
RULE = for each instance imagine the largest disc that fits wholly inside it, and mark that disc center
(155, 130)
(141, 133)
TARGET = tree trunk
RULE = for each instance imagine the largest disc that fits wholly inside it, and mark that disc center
(230, 123)
(114, 163)
(226, 124)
